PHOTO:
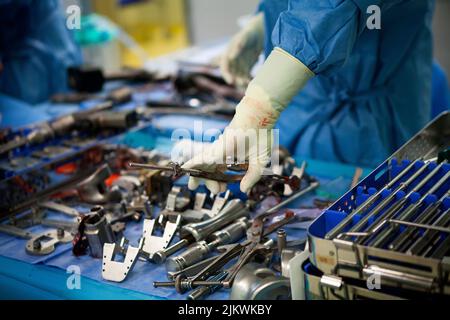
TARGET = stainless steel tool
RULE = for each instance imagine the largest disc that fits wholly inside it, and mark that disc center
(257, 282)
(414, 264)
(93, 189)
(202, 292)
(257, 232)
(177, 171)
(178, 205)
(254, 245)
(381, 238)
(402, 242)
(39, 244)
(117, 271)
(425, 244)
(220, 174)
(233, 210)
(246, 250)
(370, 201)
(192, 270)
(281, 241)
(199, 250)
(154, 243)
(58, 207)
(397, 205)
(184, 283)
(387, 200)
(98, 231)
(192, 232)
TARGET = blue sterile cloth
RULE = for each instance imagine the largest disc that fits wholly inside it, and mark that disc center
(44, 277)
(141, 278)
(334, 178)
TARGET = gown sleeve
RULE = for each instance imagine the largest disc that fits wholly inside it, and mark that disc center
(320, 33)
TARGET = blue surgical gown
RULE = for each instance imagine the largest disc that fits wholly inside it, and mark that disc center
(35, 49)
(372, 88)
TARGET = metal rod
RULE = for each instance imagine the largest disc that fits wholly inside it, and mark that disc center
(281, 241)
(428, 236)
(406, 216)
(313, 185)
(162, 168)
(178, 170)
(413, 207)
(201, 292)
(381, 239)
(386, 215)
(192, 270)
(59, 208)
(344, 223)
(161, 256)
(407, 236)
(14, 231)
(444, 247)
(391, 196)
(421, 225)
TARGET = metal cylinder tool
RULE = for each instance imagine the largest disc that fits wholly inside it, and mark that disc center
(191, 232)
(281, 240)
(201, 249)
(233, 210)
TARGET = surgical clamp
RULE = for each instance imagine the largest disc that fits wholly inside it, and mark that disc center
(220, 176)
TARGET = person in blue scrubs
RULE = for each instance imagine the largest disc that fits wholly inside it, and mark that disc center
(338, 88)
(35, 49)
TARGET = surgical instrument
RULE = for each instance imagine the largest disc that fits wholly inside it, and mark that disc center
(201, 249)
(409, 212)
(192, 232)
(385, 201)
(366, 204)
(246, 250)
(397, 204)
(218, 175)
(39, 244)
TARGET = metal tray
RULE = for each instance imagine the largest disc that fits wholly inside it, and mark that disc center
(328, 287)
(345, 257)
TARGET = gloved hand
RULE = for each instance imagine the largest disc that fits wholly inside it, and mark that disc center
(243, 52)
(276, 83)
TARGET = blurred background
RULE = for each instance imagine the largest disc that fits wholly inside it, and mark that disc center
(161, 27)
(158, 27)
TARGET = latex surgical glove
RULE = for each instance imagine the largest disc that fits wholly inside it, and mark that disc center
(243, 52)
(279, 79)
